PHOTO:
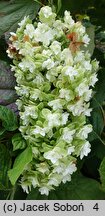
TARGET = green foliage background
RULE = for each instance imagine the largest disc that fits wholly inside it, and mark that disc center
(89, 181)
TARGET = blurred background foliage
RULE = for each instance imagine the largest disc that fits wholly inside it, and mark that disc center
(89, 181)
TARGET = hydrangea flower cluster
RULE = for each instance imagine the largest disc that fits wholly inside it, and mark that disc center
(54, 78)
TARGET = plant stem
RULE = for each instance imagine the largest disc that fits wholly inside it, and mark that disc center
(12, 193)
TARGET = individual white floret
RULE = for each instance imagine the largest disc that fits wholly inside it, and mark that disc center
(27, 64)
(80, 57)
(27, 50)
(43, 167)
(93, 80)
(46, 11)
(38, 130)
(82, 88)
(53, 120)
(68, 19)
(56, 104)
(86, 39)
(87, 95)
(44, 190)
(34, 180)
(24, 21)
(87, 65)
(31, 111)
(67, 94)
(56, 47)
(39, 80)
(44, 34)
(29, 30)
(80, 29)
(69, 169)
(87, 110)
(48, 64)
(95, 65)
(76, 108)
(85, 150)
(47, 52)
(23, 90)
(66, 178)
(58, 28)
(46, 15)
(54, 155)
(64, 118)
(67, 57)
(83, 133)
(67, 135)
(26, 186)
(55, 179)
(70, 71)
(35, 94)
(70, 150)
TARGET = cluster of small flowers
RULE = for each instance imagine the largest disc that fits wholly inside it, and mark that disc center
(54, 83)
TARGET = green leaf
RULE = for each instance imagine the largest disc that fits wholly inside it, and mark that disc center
(59, 5)
(90, 29)
(12, 12)
(5, 164)
(94, 136)
(8, 118)
(97, 120)
(98, 149)
(18, 142)
(102, 173)
(2, 131)
(3, 195)
(7, 96)
(19, 165)
(97, 12)
(3, 48)
(19, 194)
(7, 83)
(99, 89)
(76, 6)
(91, 165)
(80, 188)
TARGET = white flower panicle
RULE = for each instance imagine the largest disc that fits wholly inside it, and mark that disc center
(55, 80)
